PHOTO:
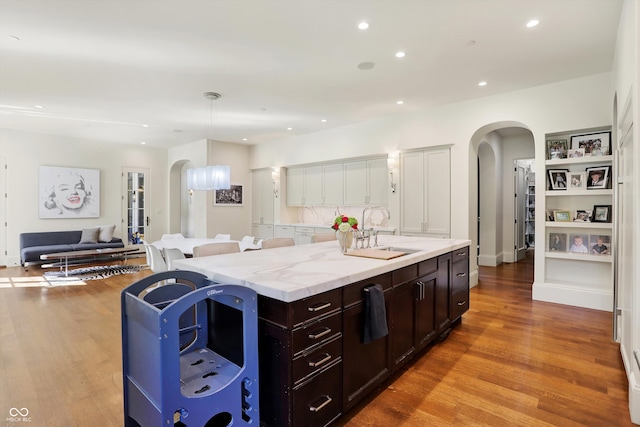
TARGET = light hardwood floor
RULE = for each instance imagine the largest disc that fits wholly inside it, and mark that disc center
(512, 361)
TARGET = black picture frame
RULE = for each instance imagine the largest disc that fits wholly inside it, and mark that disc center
(557, 242)
(601, 213)
(557, 179)
(598, 178)
(594, 144)
(232, 197)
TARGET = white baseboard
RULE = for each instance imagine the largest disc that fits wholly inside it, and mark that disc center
(490, 260)
(473, 278)
(634, 399)
(569, 295)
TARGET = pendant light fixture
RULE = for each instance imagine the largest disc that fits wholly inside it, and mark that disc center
(212, 177)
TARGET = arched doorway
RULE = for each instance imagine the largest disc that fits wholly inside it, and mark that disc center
(180, 201)
(493, 150)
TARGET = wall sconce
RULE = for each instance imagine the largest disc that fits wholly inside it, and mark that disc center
(392, 161)
(275, 177)
(216, 177)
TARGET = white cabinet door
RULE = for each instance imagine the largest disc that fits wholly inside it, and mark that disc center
(295, 187)
(333, 185)
(366, 183)
(262, 231)
(412, 192)
(313, 186)
(437, 185)
(355, 180)
(285, 231)
(262, 197)
(378, 182)
(425, 193)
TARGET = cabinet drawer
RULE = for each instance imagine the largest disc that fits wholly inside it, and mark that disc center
(428, 266)
(307, 230)
(316, 306)
(354, 293)
(317, 402)
(460, 254)
(460, 275)
(284, 231)
(309, 363)
(459, 304)
(314, 333)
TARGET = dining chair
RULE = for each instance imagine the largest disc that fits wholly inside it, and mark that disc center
(172, 254)
(323, 237)
(216, 249)
(277, 242)
(155, 259)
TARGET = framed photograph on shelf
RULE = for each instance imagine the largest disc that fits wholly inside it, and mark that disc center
(582, 216)
(551, 215)
(578, 243)
(231, 197)
(601, 213)
(594, 144)
(577, 180)
(557, 179)
(600, 244)
(575, 153)
(562, 216)
(557, 242)
(557, 149)
(597, 177)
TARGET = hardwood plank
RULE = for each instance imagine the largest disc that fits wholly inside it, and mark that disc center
(512, 361)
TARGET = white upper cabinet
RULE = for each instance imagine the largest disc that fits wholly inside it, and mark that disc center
(313, 177)
(425, 191)
(262, 205)
(333, 184)
(295, 186)
(366, 182)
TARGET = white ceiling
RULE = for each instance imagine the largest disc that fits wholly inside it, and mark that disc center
(101, 69)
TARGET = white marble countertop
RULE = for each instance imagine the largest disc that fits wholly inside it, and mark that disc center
(295, 272)
(302, 224)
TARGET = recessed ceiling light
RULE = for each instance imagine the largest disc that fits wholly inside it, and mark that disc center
(366, 65)
(324, 120)
(289, 128)
(143, 143)
(400, 54)
(400, 102)
(532, 23)
(244, 139)
(363, 25)
(483, 83)
(39, 106)
(145, 126)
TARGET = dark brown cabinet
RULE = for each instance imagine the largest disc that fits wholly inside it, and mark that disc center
(365, 365)
(314, 365)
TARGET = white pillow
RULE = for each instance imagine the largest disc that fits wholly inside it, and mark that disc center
(89, 235)
(106, 233)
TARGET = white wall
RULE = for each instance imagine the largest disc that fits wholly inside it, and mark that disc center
(626, 86)
(234, 220)
(26, 152)
(573, 104)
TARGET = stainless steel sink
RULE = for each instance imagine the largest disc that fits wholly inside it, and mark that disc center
(396, 249)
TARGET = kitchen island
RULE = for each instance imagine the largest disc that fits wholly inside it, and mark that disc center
(314, 365)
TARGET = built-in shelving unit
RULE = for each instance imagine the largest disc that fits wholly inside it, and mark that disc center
(530, 204)
(580, 279)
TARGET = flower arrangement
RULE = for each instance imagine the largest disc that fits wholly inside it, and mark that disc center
(345, 223)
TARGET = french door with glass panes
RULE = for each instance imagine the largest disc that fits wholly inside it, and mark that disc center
(135, 219)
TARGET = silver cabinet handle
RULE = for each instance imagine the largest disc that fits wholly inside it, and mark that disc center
(325, 359)
(461, 303)
(327, 400)
(319, 307)
(461, 254)
(461, 274)
(321, 334)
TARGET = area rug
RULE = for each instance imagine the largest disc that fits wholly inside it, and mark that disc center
(78, 276)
